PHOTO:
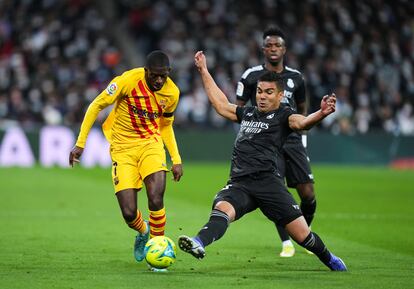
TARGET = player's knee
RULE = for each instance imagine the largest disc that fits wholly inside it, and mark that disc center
(129, 213)
(306, 192)
(308, 208)
(155, 202)
(298, 229)
(226, 208)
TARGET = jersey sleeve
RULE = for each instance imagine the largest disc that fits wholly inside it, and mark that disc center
(114, 90)
(170, 109)
(244, 90)
(166, 128)
(240, 112)
(300, 93)
(286, 112)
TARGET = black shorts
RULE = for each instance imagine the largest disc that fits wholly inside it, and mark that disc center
(261, 190)
(294, 163)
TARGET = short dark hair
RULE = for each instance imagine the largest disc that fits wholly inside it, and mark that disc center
(274, 31)
(271, 76)
(157, 58)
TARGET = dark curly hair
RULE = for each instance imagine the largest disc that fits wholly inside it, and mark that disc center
(273, 31)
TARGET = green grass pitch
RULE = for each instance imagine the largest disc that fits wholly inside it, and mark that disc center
(62, 228)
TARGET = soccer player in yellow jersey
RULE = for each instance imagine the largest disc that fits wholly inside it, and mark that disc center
(137, 128)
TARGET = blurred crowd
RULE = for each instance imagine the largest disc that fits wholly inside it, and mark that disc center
(362, 50)
(56, 56)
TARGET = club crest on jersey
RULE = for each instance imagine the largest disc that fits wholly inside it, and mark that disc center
(290, 83)
(163, 103)
(111, 89)
(270, 116)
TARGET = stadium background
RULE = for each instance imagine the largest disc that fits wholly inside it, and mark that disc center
(56, 56)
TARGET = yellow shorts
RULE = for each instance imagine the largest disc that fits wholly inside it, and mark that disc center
(131, 165)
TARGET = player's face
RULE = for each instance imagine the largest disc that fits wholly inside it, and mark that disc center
(274, 49)
(156, 77)
(268, 97)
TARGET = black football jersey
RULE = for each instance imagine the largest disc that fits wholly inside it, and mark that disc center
(260, 137)
(294, 86)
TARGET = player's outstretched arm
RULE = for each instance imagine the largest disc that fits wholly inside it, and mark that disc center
(99, 103)
(300, 122)
(168, 137)
(217, 98)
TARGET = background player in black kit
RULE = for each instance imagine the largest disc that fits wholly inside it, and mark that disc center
(293, 162)
(254, 182)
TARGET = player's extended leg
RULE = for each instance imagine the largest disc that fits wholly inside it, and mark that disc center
(307, 202)
(155, 185)
(300, 232)
(220, 218)
(299, 176)
(127, 200)
(230, 204)
(288, 250)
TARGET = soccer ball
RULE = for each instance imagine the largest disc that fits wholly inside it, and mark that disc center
(160, 252)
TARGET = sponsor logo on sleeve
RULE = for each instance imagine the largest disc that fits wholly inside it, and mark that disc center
(112, 88)
(290, 83)
(240, 88)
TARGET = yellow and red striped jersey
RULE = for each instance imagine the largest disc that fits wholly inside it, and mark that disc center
(137, 112)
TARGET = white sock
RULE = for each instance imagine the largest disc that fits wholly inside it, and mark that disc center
(287, 243)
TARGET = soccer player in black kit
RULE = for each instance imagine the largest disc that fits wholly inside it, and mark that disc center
(293, 161)
(254, 182)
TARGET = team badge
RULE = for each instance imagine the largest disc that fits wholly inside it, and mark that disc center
(111, 89)
(163, 104)
(290, 83)
(270, 116)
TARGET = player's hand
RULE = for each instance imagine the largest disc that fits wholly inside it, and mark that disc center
(74, 155)
(177, 171)
(200, 60)
(328, 104)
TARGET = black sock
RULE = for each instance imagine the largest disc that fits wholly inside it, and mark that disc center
(283, 234)
(308, 208)
(215, 227)
(314, 244)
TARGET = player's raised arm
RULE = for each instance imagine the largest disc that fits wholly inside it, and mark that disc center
(300, 122)
(217, 98)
